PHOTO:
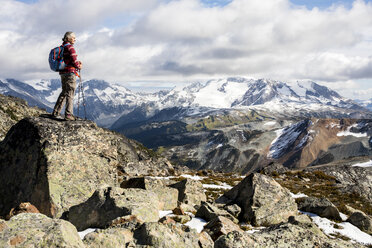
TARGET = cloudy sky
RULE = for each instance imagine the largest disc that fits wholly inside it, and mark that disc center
(160, 43)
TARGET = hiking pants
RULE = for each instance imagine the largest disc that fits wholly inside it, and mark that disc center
(67, 95)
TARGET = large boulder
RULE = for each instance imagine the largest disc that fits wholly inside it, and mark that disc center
(107, 204)
(58, 164)
(262, 200)
(190, 193)
(362, 221)
(166, 236)
(220, 226)
(320, 206)
(167, 196)
(38, 230)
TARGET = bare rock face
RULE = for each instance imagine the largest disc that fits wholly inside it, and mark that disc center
(262, 200)
(320, 206)
(38, 230)
(167, 196)
(190, 192)
(362, 221)
(154, 234)
(107, 204)
(57, 164)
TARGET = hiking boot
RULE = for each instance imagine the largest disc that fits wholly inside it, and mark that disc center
(69, 117)
(55, 114)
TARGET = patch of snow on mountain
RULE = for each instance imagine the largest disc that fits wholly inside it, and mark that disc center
(53, 96)
(39, 84)
(347, 133)
(270, 123)
(298, 89)
(366, 164)
(220, 94)
(285, 91)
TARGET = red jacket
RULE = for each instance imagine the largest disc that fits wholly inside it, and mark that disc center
(70, 59)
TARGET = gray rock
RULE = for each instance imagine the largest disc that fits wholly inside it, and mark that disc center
(190, 192)
(208, 212)
(55, 165)
(106, 204)
(299, 232)
(234, 239)
(167, 196)
(320, 206)
(262, 200)
(112, 237)
(154, 234)
(233, 209)
(205, 241)
(38, 230)
(362, 221)
(220, 226)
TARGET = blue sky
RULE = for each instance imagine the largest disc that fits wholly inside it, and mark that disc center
(159, 43)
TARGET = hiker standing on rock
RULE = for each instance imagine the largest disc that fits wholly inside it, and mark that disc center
(68, 78)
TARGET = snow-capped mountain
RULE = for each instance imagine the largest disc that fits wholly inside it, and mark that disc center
(365, 103)
(107, 102)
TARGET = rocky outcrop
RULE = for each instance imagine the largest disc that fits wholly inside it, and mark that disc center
(320, 206)
(190, 193)
(166, 235)
(220, 226)
(167, 196)
(262, 200)
(107, 204)
(362, 221)
(297, 232)
(38, 230)
(13, 109)
(57, 164)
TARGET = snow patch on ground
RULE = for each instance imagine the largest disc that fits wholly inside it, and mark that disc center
(197, 223)
(366, 164)
(298, 195)
(348, 230)
(85, 232)
(214, 186)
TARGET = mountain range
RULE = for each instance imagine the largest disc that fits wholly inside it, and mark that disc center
(114, 105)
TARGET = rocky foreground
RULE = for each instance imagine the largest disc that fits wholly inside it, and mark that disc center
(58, 178)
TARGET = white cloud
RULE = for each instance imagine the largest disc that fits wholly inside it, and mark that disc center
(185, 39)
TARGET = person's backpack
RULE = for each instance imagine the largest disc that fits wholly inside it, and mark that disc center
(56, 62)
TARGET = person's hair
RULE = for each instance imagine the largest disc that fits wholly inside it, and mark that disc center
(67, 36)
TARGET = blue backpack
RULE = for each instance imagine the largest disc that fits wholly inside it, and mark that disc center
(56, 62)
